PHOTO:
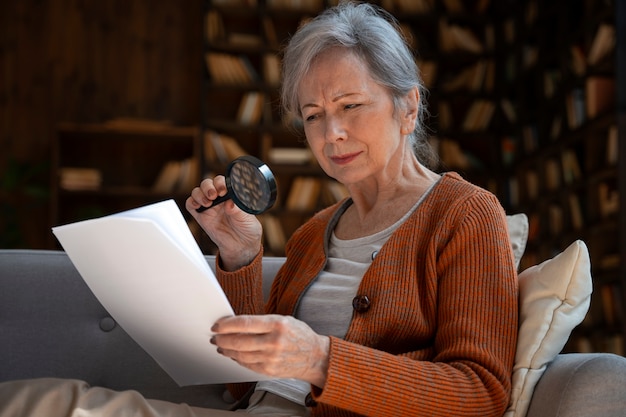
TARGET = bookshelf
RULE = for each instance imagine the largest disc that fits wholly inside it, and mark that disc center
(564, 167)
(457, 44)
(100, 169)
(240, 113)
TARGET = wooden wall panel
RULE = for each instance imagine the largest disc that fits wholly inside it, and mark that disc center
(89, 61)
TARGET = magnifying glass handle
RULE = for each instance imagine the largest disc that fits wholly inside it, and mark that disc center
(218, 200)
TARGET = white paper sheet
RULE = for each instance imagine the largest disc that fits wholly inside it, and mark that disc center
(148, 272)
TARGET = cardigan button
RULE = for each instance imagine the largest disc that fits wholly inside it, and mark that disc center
(309, 401)
(361, 303)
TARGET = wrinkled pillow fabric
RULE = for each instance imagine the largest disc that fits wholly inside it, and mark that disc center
(518, 233)
(554, 298)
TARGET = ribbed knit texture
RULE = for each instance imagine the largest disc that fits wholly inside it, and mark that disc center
(439, 338)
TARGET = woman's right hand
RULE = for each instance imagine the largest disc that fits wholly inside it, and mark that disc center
(236, 233)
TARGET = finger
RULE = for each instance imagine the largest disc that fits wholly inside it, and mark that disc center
(214, 187)
(248, 324)
(234, 344)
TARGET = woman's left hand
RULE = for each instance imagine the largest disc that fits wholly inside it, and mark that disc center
(274, 345)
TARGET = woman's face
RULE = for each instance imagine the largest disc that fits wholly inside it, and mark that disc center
(349, 119)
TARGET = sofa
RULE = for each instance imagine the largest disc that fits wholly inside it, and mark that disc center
(51, 325)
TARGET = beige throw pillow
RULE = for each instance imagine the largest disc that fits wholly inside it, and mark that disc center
(554, 298)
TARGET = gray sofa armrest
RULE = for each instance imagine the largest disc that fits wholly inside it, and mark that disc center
(581, 385)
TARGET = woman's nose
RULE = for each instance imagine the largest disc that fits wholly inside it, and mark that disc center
(334, 129)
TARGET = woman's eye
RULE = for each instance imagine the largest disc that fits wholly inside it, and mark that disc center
(310, 118)
(350, 106)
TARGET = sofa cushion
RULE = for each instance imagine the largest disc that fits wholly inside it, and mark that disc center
(554, 298)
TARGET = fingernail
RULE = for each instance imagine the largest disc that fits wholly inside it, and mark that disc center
(212, 340)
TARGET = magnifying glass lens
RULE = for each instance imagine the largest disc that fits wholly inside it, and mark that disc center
(250, 186)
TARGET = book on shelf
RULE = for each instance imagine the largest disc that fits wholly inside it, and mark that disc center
(454, 6)
(454, 157)
(512, 191)
(230, 69)
(475, 77)
(552, 174)
(334, 191)
(575, 108)
(80, 179)
(608, 199)
(508, 148)
(611, 145)
(508, 108)
(214, 26)
(600, 95)
(530, 56)
(555, 216)
(251, 108)
(428, 71)
(271, 69)
(273, 233)
(609, 261)
(603, 43)
(244, 40)
(177, 176)
(304, 193)
(532, 184)
(556, 127)
(611, 303)
(578, 60)
(570, 165)
(290, 155)
(530, 138)
(444, 117)
(551, 80)
(575, 211)
(270, 31)
(221, 148)
(454, 38)
(479, 115)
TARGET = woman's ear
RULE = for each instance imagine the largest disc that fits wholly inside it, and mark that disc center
(410, 110)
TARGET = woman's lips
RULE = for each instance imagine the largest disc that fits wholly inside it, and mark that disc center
(344, 159)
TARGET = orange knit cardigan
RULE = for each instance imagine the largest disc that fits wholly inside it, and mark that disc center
(439, 337)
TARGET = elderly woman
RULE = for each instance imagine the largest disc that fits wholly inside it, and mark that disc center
(398, 301)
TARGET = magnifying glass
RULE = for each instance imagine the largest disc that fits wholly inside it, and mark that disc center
(250, 184)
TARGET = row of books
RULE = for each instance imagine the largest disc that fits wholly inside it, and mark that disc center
(478, 76)
(602, 45)
(477, 117)
(454, 37)
(220, 148)
(231, 69)
(80, 179)
(177, 177)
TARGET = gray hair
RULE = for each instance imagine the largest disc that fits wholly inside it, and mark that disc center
(373, 35)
